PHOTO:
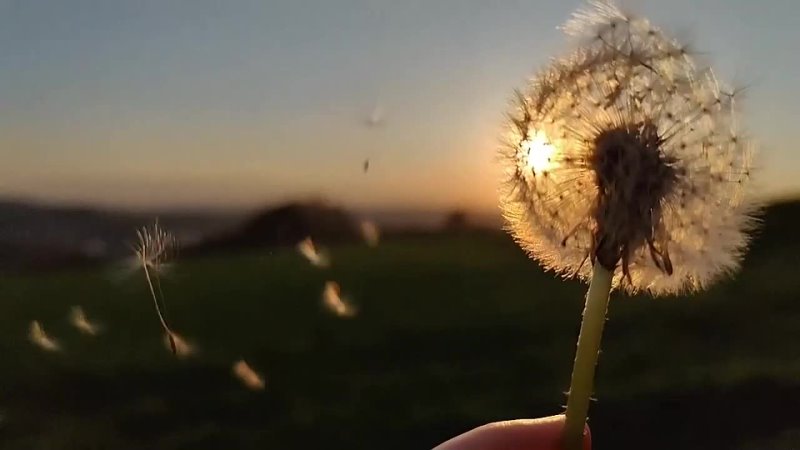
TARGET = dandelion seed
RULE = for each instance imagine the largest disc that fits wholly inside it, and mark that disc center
(376, 118)
(153, 250)
(39, 338)
(178, 345)
(370, 232)
(78, 319)
(316, 257)
(248, 376)
(624, 153)
(332, 300)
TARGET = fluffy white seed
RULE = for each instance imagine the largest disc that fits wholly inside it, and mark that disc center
(39, 338)
(333, 301)
(78, 320)
(371, 233)
(183, 348)
(315, 256)
(249, 377)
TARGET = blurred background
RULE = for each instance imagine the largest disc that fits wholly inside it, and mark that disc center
(246, 127)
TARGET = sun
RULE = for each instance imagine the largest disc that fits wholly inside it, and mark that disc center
(539, 153)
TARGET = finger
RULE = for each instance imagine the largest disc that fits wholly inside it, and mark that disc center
(524, 434)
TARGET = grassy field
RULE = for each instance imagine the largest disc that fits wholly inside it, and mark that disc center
(452, 332)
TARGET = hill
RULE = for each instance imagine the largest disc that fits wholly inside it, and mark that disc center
(284, 225)
(51, 236)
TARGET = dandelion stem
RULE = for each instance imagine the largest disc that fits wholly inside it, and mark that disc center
(581, 386)
(158, 310)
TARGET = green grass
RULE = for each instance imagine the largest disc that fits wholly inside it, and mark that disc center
(452, 332)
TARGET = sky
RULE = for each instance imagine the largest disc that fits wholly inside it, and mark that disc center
(198, 103)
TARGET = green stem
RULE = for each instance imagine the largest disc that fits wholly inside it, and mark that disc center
(581, 386)
(161, 317)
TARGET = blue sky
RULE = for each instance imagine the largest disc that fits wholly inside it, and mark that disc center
(160, 103)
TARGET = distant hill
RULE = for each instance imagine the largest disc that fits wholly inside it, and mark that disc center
(44, 236)
(778, 228)
(35, 236)
(286, 224)
(404, 218)
(40, 236)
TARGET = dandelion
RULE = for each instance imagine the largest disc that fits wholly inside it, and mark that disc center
(78, 320)
(333, 301)
(248, 376)
(178, 345)
(154, 248)
(626, 166)
(39, 338)
(370, 233)
(316, 257)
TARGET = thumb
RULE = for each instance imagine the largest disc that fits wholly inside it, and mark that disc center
(523, 434)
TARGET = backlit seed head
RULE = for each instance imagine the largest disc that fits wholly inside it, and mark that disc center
(155, 246)
(625, 154)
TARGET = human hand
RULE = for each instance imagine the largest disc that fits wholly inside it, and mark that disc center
(543, 433)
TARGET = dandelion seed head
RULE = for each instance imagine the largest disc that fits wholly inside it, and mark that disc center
(333, 301)
(38, 337)
(624, 153)
(155, 247)
(248, 376)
